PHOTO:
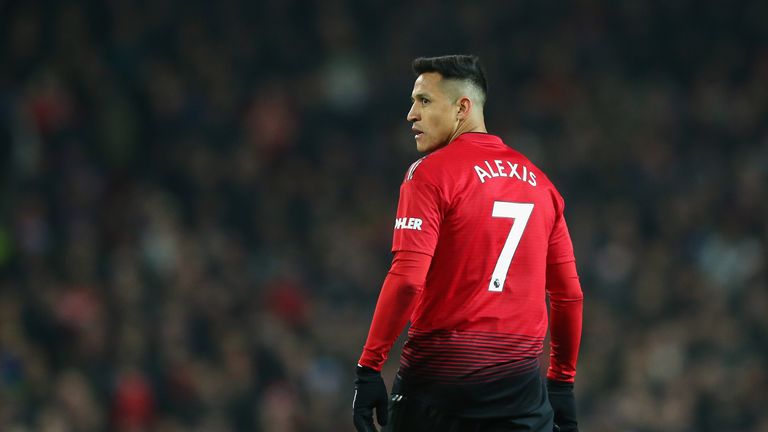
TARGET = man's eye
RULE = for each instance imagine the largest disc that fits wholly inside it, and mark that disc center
(424, 101)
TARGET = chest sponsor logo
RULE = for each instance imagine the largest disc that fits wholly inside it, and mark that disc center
(408, 223)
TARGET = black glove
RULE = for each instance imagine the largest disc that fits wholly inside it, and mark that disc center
(564, 404)
(370, 393)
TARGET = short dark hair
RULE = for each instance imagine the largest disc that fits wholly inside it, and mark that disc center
(456, 67)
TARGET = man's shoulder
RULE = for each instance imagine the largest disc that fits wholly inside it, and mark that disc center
(442, 159)
(430, 167)
(411, 171)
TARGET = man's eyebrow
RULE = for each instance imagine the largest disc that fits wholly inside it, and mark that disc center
(419, 95)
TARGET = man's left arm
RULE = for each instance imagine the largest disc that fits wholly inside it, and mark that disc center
(565, 315)
(565, 318)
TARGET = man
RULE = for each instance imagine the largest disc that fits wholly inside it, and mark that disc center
(479, 241)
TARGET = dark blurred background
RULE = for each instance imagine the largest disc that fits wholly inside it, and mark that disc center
(197, 199)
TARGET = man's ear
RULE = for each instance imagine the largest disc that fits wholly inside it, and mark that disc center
(465, 106)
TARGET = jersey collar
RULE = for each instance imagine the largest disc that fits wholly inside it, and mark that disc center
(481, 137)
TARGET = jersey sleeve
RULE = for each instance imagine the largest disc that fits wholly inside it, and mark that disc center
(419, 215)
(560, 249)
(396, 302)
(565, 298)
(566, 303)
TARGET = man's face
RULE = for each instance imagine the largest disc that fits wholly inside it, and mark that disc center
(433, 113)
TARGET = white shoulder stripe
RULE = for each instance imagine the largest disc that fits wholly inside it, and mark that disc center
(413, 167)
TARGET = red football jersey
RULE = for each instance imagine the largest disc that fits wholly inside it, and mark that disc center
(492, 222)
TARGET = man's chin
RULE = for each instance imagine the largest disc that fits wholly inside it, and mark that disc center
(422, 146)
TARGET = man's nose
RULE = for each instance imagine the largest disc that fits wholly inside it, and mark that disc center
(412, 114)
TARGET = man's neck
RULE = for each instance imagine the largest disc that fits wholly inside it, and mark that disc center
(478, 126)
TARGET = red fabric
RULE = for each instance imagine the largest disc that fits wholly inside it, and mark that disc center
(396, 301)
(565, 313)
(464, 205)
(452, 192)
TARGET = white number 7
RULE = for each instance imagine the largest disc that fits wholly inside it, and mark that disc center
(520, 212)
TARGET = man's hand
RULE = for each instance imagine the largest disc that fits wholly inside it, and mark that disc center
(564, 404)
(370, 393)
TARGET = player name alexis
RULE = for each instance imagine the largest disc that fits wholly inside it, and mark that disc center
(505, 168)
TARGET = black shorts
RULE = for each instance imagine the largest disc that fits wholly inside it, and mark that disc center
(412, 412)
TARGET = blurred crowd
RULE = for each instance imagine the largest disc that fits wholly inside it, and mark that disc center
(197, 199)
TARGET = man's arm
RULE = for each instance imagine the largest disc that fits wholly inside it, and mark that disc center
(565, 313)
(566, 303)
(395, 305)
(396, 302)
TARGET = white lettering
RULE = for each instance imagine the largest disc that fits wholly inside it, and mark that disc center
(493, 173)
(480, 173)
(511, 170)
(500, 168)
(408, 223)
(514, 172)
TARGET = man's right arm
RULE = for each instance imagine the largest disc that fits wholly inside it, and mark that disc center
(417, 226)
(395, 305)
(396, 302)
(419, 214)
